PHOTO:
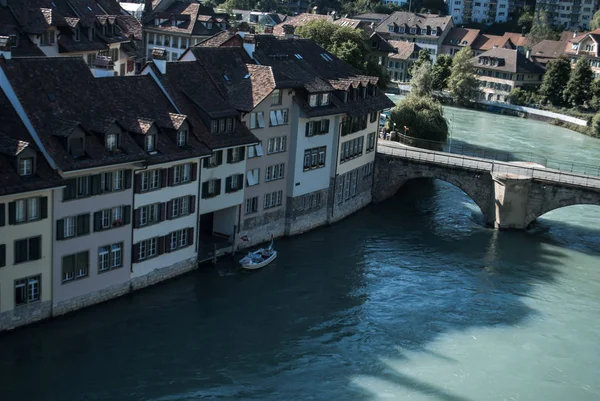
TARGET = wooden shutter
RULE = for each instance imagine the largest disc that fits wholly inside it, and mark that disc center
(127, 179)
(190, 236)
(70, 191)
(35, 248)
(44, 207)
(169, 209)
(192, 207)
(2, 215)
(83, 224)
(242, 153)
(205, 190)
(96, 182)
(60, 229)
(167, 241)
(228, 184)
(160, 244)
(136, 217)
(164, 177)
(229, 155)
(162, 210)
(127, 214)
(138, 183)
(307, 129)
(12, 213)
(219, 157)
(2, 255)
(218, 187)
(135, 253)
(172, 176)
(194, 171)
(98, 221)
(205, 162)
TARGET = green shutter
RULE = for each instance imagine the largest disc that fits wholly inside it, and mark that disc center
(70, 191)
(98, 221)
(96, 184)
(2, 215)
(2, 255)
(127, 179)
(12, 213)
(60, 229)
(44, 207)
(127, 214)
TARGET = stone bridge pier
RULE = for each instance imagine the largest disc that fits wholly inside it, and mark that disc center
(507, 201)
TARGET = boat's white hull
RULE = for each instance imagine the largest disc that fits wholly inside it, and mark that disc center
(249, 265)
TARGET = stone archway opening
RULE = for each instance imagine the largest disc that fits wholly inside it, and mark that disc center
(577, 214)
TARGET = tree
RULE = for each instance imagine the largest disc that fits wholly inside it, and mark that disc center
(595, 126)
(518, 96)
(595, 22)
(441, 72)
(526, 19)
(423, 116)
(578, 90)
(462, 83)
(541, 30)
(423, 59)
(595, 102)
(557, 73)
(421, 81)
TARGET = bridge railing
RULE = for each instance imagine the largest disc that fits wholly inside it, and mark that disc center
(498, 167)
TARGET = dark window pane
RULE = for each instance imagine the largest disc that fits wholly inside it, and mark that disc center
(20, 292)
(20, 251)
(35, 248)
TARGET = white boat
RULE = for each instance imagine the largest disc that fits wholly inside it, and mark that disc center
(259, 258)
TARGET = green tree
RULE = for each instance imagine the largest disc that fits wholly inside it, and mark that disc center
(595, 102)
(423, 116)
(423, 59)
(557, 73)
(595, 22)
(518, 96)
(595, 125)
(579, 87)
(526, 19)
(541, 30)
(421, 81)
(463, 85)
(440, 72)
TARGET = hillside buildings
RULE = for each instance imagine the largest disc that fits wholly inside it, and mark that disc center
(574, 15)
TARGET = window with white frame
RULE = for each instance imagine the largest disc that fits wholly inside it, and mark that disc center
(110, 257)
(251, 205)
(27, 210)
(253, 177)
(274, 172)
(178, 239)
(118, 180)
(112, 142)
(314, 158)
(277, 144)
(83, 186)
(276, 97)
(150, 180)
(75, 266)
(182, 138)
(321, 99)
(180, 207)
(351, 149)
(150, 142)
(272, 199)
(278, 117)
(27, 290)
(182, 173)
(25, 166)
(255, 151)
(69, 226)
(320, 127)
(371, 142)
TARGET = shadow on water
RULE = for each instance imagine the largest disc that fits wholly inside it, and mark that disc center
(396, 275)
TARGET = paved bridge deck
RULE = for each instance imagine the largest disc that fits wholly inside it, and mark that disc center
(520, 169)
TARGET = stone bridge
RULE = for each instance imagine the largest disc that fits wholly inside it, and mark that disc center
(510, 195)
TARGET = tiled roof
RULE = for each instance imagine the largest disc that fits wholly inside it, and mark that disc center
(189, 19)
(371, 16)
(517, 39)
(510, 61)
(217, 40)
(461, 37)
(349, 22)
(14, 138)
(300, 20)
(130, 26)
(547, 49)
(412, 20)
(570, 35)
(403, 49)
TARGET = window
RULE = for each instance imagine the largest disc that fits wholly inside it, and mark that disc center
(182, 173)
(276, 97)
(321, 99)
(151, 38)
(257, 120)
(371, 142)
(351, 149)
(182, 138)
(234, 183)
(272, 199)
(253, 177)
(373, 117)
(69, 227)
(277, 144)
(26, 210)
(25, 166)
(75, 266)
(113, 217)
(150, 143)
(313, 100)
(314, 158)
(235, 155)
(278, 117)
(83, 187)
(180, 207)
(47, 38)
(215, 159)
(148, 214)
(317, 127)
(110, 257)
(311, 201)
(211, 188)
(274, 172)
(255, 151)
(413, 30)
(28, 290)
(28, 249)
(324, 101)
(251, 205)
(390, 28)
(73, 226)
(179, 239)
(149, 180)
(424, 31)
(2, 255)
(112, 142)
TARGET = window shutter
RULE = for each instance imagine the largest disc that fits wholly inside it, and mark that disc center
(44, 207)
(242, 154)
(60, 229)
(169, 209)
(35, 248)
(205, 190)
(218, 187)
(127, 214)
(205, 162)
(70, 190)
(85, 223)
(2, 255)
(240, 181)
(228, 184)
(136, 217)
(219, 157)
(190, 236)
(135, 253)
(12, 213)
(2, 215)
(161, 245)
(194, 171)
(162, 209)
(192, 201)
(138, 183)
(96, 184)
(97, 221)
(307, 129)
(229, 155)
(127, 179)
(171, 172)
(167, 241)
(164, 177)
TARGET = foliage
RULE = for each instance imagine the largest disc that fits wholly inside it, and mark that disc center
(421, 81)
(595, 102)
(524, 97)
(441, 72)
(422, 115)
(557, 73)
(578, 90)
(526, 18)
(595, 126)
(541, 30)
(423, 59)
(595, 22)
(462, 83)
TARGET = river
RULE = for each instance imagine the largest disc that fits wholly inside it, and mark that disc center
(411, 299)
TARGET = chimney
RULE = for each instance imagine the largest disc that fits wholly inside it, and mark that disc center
(288, 31)
(104, 67)
(159, 56)
(574, 34)
(249, 44)
(5, 47)
(147, 9)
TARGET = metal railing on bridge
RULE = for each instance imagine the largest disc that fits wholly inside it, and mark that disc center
(493, 166)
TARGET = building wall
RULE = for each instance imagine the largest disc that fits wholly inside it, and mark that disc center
(224, 200)
(11, 315)
(50, 51)
(366, 157)
(78, 293)
(353, 190)
(175, 42)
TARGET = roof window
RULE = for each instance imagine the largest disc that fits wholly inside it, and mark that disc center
(299, 57)
(247, 76)
(326, 57)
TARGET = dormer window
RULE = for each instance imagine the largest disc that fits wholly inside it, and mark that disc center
(77, 35)
(104, 29)
(77, 144)
(209, 25)
(112, 142)
(363, 92)
(182, 138)
(150, 143)
(424, 31)
(324, 99)
(413, 30)
(390, 28)
(401, 29)
(25, 166)
(91, 33)
(345, 97)
(47, 38)
(433, 32)
(313, 100)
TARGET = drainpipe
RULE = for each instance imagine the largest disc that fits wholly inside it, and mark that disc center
(198, 210)
(335, 175)
(133, 211)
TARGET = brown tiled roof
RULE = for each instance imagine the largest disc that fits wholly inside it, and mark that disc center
(349, 22)
(130, 26)
(189, 17)
(300, 20)
(412, 20)
(486, 42)
(14, 138)
(403, 49)
(570, 35)
(461, 36)
(510, 61)
(517, 39)
(547, 49)
(217, 40)
(371, 16)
